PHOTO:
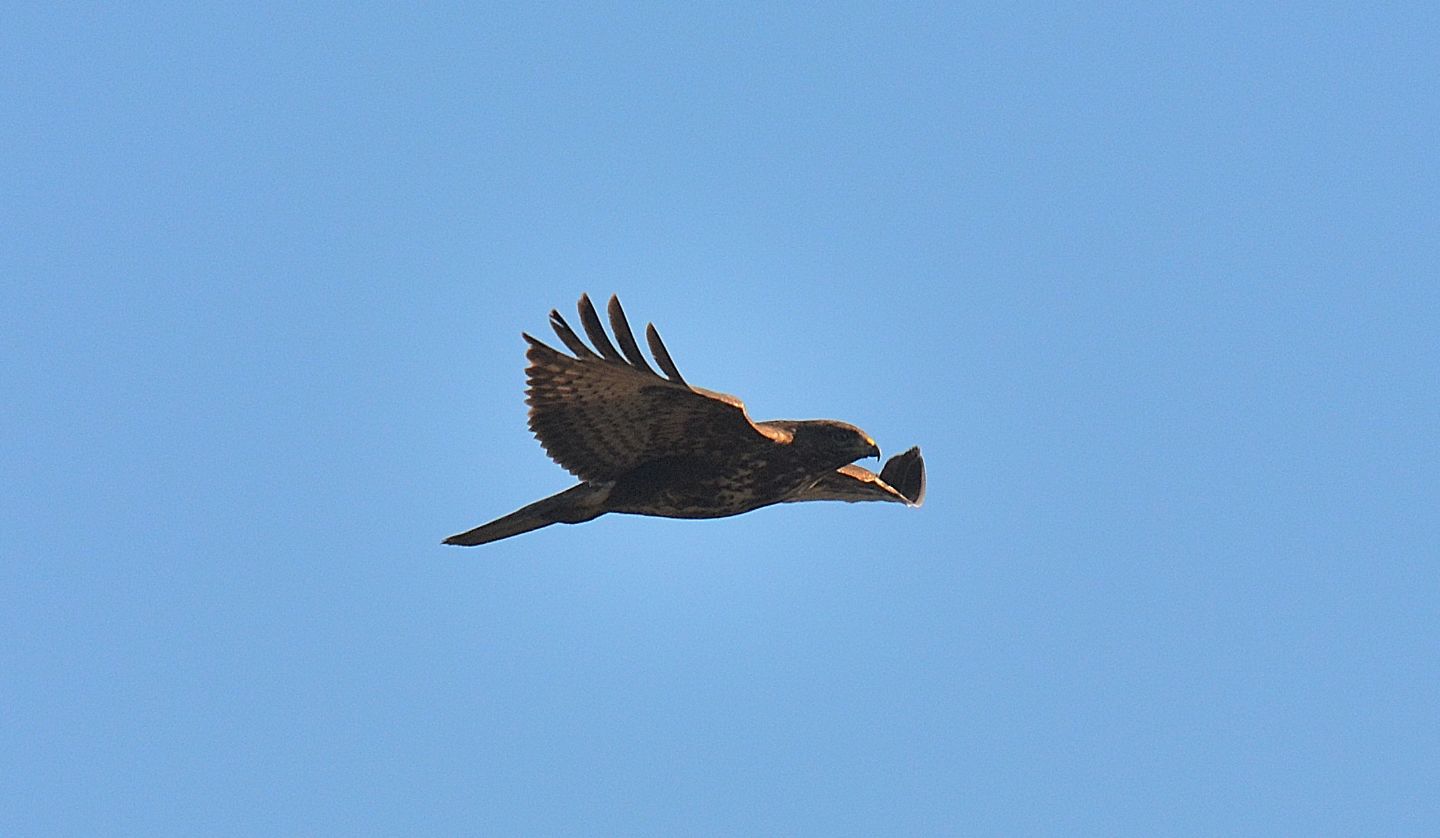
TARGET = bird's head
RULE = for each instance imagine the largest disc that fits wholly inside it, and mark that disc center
(833, 444)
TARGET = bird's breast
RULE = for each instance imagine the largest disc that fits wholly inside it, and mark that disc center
(702, 487)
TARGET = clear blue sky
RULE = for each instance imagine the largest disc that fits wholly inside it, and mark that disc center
(1157, 290)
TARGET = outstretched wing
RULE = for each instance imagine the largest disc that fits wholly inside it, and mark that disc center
(601, 413)
(902, 480)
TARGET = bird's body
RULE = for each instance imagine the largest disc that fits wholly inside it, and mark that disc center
(644, 444)
(710, 487)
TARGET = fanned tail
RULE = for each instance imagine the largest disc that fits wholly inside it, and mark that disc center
(572, 506)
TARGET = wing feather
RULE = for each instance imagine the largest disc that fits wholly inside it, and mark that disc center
(621, 327)
(568, 337)
(595, 330)
(662, 356)
(902, 480)
(905, 473)
(599, 415)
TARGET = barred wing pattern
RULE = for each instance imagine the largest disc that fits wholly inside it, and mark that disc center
(605, 411)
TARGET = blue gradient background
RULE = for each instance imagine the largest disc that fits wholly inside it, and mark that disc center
(1156, 288)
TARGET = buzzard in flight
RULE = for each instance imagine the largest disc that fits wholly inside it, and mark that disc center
(644, 443)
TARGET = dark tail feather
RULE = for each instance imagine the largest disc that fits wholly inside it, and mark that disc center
(572, 506)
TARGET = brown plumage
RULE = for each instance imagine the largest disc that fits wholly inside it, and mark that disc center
(648, 443)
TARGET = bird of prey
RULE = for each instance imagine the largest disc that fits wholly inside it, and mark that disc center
(648, 443)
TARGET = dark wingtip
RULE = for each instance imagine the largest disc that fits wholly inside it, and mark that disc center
(535, 344)
(568, 337)
(905, 473)
(621, 327)
(662, 355)
(590, 321)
